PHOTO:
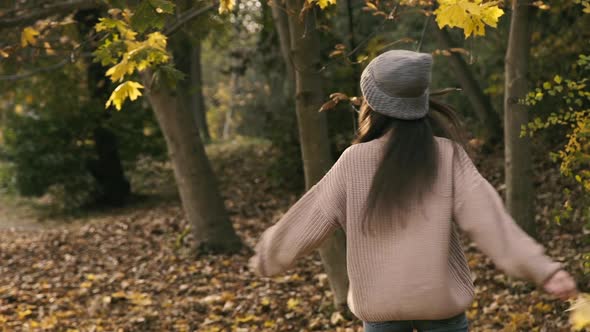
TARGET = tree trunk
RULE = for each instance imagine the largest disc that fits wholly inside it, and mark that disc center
(479, 101)
(351, 44)
(186, 48)
(107, 169)
(191, 89)
(313, 133)
(234, 88)
(197, 184)
(105, 166)
(280, 18)
(197, 101)
(519, 185)
(236, 60)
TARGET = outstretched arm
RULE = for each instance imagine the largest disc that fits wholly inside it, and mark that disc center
(301, 230)
(306, 225)
(479, 211)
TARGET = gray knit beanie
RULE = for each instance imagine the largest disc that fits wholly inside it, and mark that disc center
(396, 84)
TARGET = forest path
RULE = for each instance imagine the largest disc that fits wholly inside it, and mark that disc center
(15, 214)
(26, 214)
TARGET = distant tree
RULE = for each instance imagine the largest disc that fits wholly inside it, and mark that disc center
(136, 42)
(73, 145)
(518, 159)
(481, 104)
(302, 59)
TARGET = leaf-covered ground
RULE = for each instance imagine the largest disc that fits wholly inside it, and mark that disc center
(132, 269)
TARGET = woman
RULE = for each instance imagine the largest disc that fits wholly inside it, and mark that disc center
(400, 193)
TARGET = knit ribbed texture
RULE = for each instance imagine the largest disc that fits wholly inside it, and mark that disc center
(396, 84)
(411, 270)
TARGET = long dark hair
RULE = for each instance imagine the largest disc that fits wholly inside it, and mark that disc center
(409, 164)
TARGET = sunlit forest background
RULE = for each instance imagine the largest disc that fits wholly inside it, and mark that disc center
(146, 145)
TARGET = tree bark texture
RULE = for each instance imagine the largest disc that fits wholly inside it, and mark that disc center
(197, 100)
(234, 87)
(313, 132)
(186, 48)
(197, 184)
(281, 22)
(236, 70)
(519, 184)
(481, 104)
(351, 45)
(187, 57)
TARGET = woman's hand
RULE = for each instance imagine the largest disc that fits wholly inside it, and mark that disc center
(561, 285)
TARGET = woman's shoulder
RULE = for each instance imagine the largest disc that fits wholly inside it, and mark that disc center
(359, 150)
(449, 146)
(445, 141)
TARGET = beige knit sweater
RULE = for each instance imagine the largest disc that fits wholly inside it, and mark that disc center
(416, 271)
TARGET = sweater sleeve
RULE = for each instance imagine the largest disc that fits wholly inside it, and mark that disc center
(479, 211)
(304, 227)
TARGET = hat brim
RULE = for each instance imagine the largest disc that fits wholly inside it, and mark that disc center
(404, 108)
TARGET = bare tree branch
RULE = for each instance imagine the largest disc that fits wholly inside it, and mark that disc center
(55, 66)
(16, 77)
(24, 16)
(84, 4)
(186, 17)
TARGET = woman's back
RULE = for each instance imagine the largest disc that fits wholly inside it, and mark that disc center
(412, 265)
(413, 260)
(413, 192)
(412, 268)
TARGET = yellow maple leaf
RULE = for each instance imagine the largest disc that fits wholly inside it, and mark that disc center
(450, 14)
(28, 36)
(292, 303)
(246, 319)
(118, 71)
(580, 312)
(470, 15)
(491, 14)
(143, 64)
(129, 89)
(24, 313)
(119, 294)
(126, 33)
(226, 6)
(157, 40)
(322, 3)
(86, 284)
(48, 322)
(140, 299)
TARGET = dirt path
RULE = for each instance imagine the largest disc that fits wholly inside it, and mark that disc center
(16, 214)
